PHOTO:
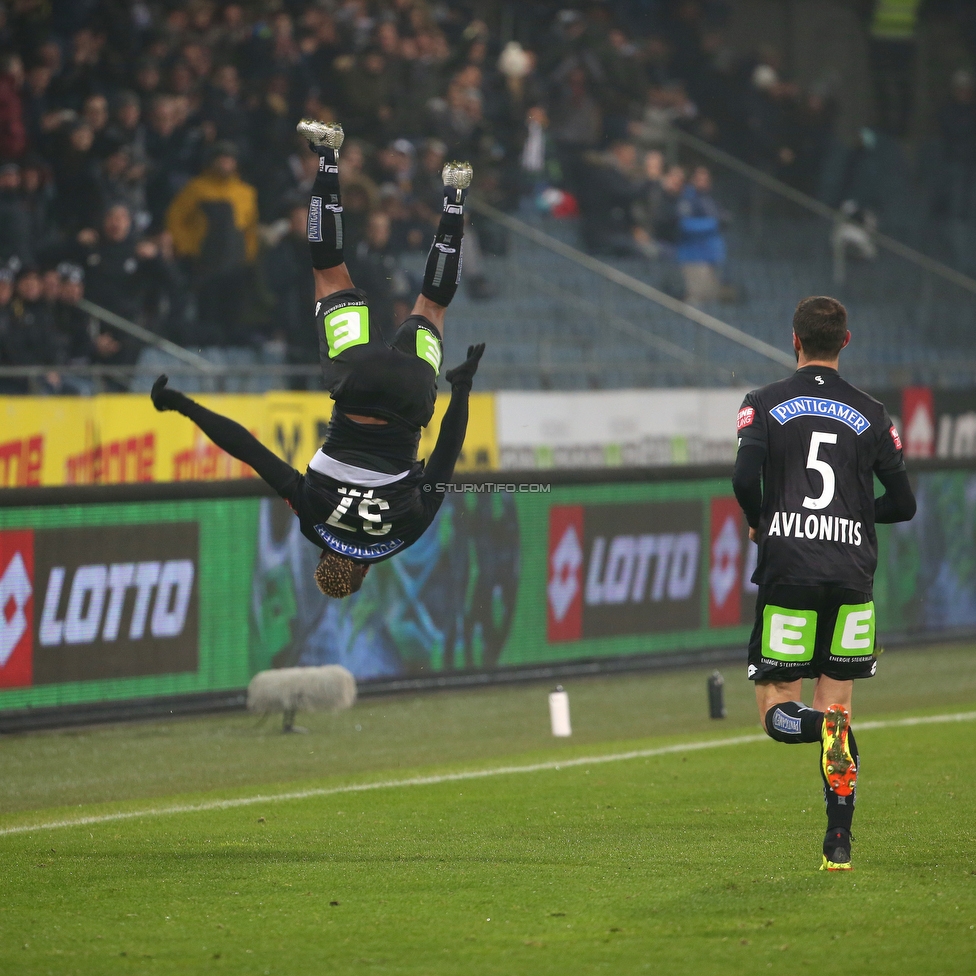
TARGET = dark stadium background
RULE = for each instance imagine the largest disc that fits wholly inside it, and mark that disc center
(656, 184)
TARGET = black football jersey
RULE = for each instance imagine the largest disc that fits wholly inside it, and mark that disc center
(365, 524)
(824, 441)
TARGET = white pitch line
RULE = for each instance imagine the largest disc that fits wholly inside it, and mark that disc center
(556, 764)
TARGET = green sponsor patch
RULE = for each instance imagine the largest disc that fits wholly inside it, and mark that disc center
(788, 635)
(346, 327)
(429, 348)
(854, 631)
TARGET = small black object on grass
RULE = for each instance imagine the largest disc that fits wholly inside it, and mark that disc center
(716, 695)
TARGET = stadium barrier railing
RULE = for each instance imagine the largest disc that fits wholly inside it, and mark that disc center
(139, 600)
(913, 316)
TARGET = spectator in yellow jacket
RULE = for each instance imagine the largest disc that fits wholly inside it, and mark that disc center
(214, 222)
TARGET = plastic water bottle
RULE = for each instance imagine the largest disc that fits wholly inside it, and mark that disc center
(559, 712)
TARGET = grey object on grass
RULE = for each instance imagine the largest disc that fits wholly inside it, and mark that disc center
(329, 688)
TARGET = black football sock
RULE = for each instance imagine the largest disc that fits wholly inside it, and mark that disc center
(325, 213)
(443, 271)
(793, 722)
(840, 809)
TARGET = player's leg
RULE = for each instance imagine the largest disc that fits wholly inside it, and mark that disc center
(229, 436)
(781, 652)
(845, 652)
(443, 271)
(792, 636)
(830, 691)
(325, 231)
(839, 765)
(783, 715)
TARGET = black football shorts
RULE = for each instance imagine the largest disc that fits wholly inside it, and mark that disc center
(806, 631)
(367, 375)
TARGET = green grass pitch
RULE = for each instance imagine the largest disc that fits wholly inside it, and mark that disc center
(690, 862)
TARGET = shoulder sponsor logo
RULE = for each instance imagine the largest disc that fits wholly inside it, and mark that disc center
(818, 407)
(785, 723)
(429, 348)
(894, 437)
(745, 418)
(346, 326)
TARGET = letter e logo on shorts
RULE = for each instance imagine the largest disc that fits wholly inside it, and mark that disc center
(854, 631)
(789, 635)
(346, 327)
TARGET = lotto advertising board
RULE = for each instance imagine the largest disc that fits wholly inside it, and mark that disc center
(536, 574)
(127, 600)
(550, 573)
(122, 601)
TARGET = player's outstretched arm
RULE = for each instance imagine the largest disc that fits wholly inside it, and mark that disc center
(325, 227)
(229, 436)
(440, 466)
(897, 504)
(443, 270)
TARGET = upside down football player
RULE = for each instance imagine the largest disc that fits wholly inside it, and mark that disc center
(364, 496)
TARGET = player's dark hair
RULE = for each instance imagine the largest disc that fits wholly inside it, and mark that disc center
(820, 323)
(339, 576)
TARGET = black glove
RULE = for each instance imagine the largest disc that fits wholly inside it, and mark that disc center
(461, 376)
(164, 398)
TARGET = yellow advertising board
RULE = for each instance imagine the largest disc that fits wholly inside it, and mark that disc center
(117, 438)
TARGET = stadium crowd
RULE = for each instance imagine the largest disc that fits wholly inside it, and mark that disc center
(148, 156)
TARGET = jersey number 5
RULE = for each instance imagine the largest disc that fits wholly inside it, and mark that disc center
(817, 438)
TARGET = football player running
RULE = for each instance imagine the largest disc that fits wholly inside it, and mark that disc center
(809, 449)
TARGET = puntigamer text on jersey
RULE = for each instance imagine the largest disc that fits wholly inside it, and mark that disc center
(820, 407)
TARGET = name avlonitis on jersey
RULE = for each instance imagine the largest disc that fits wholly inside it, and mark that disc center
(824, 528)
